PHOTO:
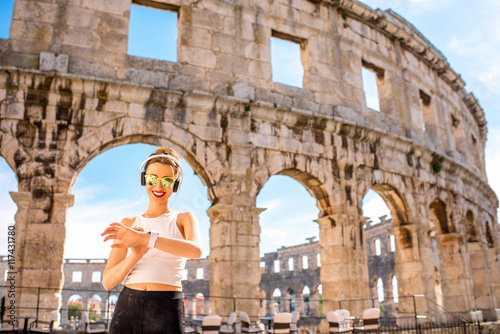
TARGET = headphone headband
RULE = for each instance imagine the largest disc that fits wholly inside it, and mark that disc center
(172, 158)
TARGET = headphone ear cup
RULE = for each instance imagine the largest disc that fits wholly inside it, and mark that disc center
(177, 185)
(142, 179)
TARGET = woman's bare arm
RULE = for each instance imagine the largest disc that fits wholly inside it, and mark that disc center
(190, 247)
(119, 265)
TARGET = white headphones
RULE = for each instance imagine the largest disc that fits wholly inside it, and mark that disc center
(178, 181)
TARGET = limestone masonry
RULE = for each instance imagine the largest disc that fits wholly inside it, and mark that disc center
(69, 91)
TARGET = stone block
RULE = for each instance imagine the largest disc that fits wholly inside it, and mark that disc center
(51, 62)
(151, 78)
(91, 69)
(233, 64)
(228, 44)
(242, 90)
(81, 17)
(35, 11)
(114, 42)
(187, 84)
(32, 30)
(81, 36)
(62, 63)
(195, 37)
(197, 57)
(117, 7)
(200, 18)
(260, 69)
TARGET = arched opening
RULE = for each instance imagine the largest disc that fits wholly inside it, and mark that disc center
(470, 227)
(376, 230)
(112, 305)
(290, 297)
(276, 300)
(94, 306)
(319, 290)
(200, 307)
(380, 290)
(288, 221)
(75, 308)
(8, 209)
(306, 294)
(288, 218)
(439, 218)
(395, 292)
(107, 190)
(489, 236)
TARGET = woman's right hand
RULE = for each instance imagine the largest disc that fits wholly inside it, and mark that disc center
(139, 250)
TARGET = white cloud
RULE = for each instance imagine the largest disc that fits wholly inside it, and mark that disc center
(375, 208)
(272, 204)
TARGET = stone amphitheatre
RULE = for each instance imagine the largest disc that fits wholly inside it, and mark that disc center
(69, 91)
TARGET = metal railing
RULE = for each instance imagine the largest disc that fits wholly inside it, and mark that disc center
(392, 320)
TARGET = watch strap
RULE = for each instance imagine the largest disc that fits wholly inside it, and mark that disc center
(152, 238)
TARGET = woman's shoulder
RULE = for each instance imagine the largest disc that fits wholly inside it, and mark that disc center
(183, 216)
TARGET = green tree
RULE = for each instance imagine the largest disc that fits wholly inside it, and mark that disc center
(74, 310)
(94, 315)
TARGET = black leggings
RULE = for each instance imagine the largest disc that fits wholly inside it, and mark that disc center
(148, 312)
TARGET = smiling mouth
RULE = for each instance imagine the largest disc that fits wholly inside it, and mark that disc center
(157, 194)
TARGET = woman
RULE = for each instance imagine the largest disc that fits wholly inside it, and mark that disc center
(149, 253)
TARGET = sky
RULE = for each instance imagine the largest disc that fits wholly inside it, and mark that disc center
(107, 189)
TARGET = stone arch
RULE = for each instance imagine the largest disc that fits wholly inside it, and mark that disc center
(392, 197)
(155, 139)
(312, 173)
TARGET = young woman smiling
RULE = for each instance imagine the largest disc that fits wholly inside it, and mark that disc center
(149, 253)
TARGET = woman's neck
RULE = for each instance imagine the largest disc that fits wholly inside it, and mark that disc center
(156, 212)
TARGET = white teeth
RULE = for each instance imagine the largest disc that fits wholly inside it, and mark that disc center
(157, 193)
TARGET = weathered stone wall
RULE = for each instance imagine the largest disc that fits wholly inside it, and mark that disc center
(69, 91)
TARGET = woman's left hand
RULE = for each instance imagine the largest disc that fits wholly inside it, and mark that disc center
(141, 249)
(129, 237)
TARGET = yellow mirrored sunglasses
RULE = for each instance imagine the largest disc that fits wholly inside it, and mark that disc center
(152, 180)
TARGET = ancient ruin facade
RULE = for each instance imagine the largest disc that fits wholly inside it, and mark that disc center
(69, 91)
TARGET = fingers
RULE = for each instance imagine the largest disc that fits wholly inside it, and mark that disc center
(109, 237)
(113, 228)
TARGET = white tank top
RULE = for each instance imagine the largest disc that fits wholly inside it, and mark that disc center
(157, 266)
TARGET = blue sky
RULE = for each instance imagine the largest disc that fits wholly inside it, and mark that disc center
(467, 33)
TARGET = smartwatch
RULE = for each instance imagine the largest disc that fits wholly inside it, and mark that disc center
(152, 238)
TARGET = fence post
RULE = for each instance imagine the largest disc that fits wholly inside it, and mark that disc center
(340, 304)
(107, 310)
(37, 302)
(415, 312)
(373, 302)
(234, 303)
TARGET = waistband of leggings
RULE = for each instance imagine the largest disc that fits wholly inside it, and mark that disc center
(152, 294)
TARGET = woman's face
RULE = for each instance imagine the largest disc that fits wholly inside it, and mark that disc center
(158, 193)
